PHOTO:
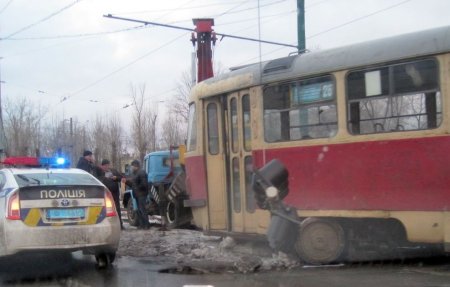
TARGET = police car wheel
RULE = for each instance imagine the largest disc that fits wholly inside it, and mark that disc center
(112, 257)
(131, 213)
(103, 260)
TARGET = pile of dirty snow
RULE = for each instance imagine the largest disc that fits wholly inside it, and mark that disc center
(182, 247)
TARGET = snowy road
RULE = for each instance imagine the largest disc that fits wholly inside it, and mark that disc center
(79, 271)
(189, 258)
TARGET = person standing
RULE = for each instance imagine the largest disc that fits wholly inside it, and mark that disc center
(139, 186)
(86, 162)
(111, 179)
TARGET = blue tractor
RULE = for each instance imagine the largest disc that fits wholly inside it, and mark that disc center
(166, 189)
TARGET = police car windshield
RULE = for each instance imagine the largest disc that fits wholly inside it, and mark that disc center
(25, 179)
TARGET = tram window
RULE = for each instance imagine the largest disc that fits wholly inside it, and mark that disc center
(236, 185)
(300, 110)
(213, 129)
(192, 129)
(250, 196)
(246, 122)
(410, 99)
(368, 83)
(234, 125)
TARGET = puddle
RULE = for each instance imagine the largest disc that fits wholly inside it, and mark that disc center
(199, 270)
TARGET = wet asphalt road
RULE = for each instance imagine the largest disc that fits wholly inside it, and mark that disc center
(78, 270)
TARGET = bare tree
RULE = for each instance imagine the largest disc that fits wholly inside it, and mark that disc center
(179, 105)
(99, 138)
(23, 127)
(174, 131)
(144, 123)
(114, 134)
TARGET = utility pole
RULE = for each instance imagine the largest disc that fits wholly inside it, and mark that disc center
(2, 129)
(301, 25)
(71, 141)
(193, 69)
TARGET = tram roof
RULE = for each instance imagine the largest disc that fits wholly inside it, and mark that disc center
(405, 46)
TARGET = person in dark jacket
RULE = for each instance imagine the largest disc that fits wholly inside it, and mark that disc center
(86, 162)
(139, 186)
(111, 179)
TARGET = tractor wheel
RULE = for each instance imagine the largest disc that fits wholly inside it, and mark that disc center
(131, 213)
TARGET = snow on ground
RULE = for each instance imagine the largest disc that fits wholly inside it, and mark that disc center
(183, 247)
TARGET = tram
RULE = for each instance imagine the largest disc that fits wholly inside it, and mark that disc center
(363, 130)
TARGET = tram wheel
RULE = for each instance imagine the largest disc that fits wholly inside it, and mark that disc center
(320, 241)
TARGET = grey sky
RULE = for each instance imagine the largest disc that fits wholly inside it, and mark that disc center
(95, 71)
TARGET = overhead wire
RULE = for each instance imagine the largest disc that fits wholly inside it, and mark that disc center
(177, 9)
(359, 18)
(316, 4)
(127, 105)
(231, 9)
(6, 6)
(42, 20)
(123, 67)
(256, 18)
(274, 17)
(47, 93)
(214, 16)
(81, 35)
(65, 98)
(334, 28)
(270, 16)
(246, 9)
(42, 48)
(128, 64)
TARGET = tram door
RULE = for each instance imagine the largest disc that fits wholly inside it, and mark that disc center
(241, 203)
(215, 169)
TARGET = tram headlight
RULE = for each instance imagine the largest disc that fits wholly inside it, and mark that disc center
(270, 181)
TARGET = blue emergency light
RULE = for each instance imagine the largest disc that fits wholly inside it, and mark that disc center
(55, 162)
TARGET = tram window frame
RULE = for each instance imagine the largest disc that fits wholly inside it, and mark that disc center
(236, 184)
(192, 128)
(394, 97)
(234, 125)
(246, 123)
(284, 111)
(213, 128)
(250, 201)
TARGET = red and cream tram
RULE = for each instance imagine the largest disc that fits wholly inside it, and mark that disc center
(363, 130)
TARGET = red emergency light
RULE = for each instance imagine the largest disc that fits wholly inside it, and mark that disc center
(21, 161)
(27, 161)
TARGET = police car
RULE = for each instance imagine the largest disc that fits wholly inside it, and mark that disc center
(44, 207)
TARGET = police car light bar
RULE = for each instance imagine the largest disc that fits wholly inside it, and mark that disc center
(21, 161)
(36, 162)
(54, 162)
